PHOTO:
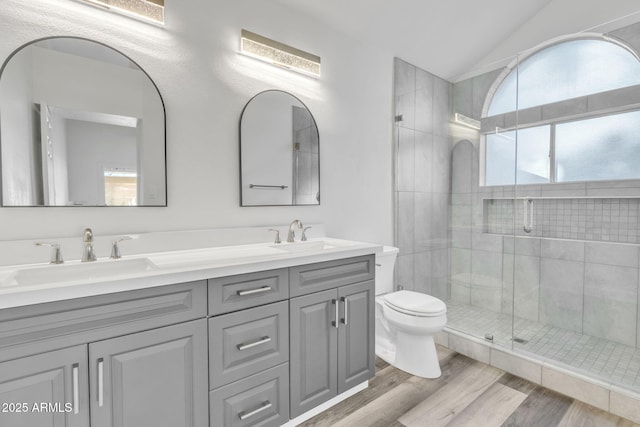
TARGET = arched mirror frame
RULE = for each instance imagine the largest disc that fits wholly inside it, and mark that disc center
(164, 122)
(275, 187)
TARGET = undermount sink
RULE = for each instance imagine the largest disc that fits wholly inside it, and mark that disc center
(311, 245)
(71, 272)
(209, 256)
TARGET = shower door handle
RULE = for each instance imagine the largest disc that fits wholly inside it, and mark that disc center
(528, 216)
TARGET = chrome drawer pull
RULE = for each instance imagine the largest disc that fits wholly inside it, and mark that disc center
(262, 340)
(334, 323)
(244, 415)
(254, 291)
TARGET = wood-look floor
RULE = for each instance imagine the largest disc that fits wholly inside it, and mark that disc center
(469, 393)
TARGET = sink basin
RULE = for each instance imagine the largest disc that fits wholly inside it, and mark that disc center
(71, 272)
(210, 256)
(312, 245)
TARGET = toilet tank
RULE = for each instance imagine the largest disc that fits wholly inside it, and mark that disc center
(385, 262)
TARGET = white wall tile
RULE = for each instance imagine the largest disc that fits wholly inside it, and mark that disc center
(422, 162)
(405, 222)
(610, 303)
(422, 272)
(561, 293)
(612, 254)
(527, 246)
(405, 167)
(424, 110)
(404, 77)
(422, 222)
(526, 286)
(562, 249)
(405, 271)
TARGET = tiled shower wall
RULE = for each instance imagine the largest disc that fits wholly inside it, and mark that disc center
(422, 189)
(608, 220)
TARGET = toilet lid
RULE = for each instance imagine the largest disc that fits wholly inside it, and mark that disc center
(415, 303)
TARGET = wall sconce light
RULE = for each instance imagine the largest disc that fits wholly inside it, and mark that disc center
(148, 10)
(280, 54)
(466, 121)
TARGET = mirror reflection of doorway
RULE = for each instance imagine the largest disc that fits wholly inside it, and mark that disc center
(120, 187)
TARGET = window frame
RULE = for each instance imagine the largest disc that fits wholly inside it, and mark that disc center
(552, 123)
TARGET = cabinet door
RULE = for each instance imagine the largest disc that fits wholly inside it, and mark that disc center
(46, 390)
(150, 379)
(356, 335)
(314, 352)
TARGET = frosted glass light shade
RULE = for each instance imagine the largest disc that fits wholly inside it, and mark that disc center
(279, 54)
(152, 10)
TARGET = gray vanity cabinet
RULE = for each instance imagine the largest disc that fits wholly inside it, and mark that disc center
(28, 385)
(128, 359)
(356, 335)
(331, 331)
(314, 350)
(152, 378)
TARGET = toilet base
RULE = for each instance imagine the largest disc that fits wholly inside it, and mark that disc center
(417, 355)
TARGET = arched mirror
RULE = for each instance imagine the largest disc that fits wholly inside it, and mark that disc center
(81, 124)
(279, 152)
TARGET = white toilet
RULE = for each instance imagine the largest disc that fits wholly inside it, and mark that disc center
(406, 322)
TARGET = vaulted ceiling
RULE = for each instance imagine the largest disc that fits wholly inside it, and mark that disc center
(452, 38)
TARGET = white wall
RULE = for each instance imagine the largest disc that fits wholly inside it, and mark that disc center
(205, 83)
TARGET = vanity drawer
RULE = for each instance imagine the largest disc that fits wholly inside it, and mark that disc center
(42, 327)
(234, 293)
(247, 342)
(262, 399)
(306, 279)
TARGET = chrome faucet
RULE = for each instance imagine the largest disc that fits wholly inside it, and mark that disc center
(88, 253)
(291, 237)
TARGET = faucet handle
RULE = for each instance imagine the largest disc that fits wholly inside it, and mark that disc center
(304, 236)
(56, 254)
(277, 239)
(115, 249)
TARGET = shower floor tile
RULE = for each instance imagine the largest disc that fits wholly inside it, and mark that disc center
(599, 358)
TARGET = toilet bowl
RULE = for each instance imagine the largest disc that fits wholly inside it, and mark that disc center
(406, 322)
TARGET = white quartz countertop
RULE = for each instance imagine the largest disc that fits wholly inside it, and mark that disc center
(28, 284)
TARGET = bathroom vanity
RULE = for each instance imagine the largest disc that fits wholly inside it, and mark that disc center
(236, 343)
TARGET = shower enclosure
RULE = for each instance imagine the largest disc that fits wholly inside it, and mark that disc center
(552, 207)
(543, 199)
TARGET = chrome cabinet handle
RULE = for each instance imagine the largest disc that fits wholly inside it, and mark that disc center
(254, 291)
(337, 314)
(345, 320)
(76, 397)
(528, 216)
(100, 382)
(262, 340)
(244, 415)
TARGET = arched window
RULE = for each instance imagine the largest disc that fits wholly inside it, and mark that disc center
(578, 116)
